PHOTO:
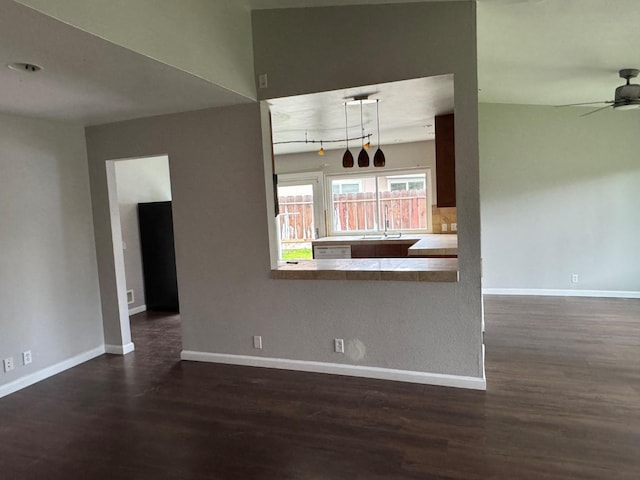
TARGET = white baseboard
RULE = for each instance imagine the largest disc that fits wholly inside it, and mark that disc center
(47, 372)
(119, 349)
(475, 383)
(139, 309)
(561, 293)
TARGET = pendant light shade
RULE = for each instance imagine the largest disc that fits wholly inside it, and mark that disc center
(363, 158)
(347, 159)
(378, 158)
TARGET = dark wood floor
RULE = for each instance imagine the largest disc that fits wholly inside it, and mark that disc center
(563, 402)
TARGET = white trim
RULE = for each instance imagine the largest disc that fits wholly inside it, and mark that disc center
(119, 349)
(47, 372)
(138, 309)
(561, 293)
(475, 383)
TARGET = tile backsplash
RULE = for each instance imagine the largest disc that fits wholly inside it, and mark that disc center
(440, 216)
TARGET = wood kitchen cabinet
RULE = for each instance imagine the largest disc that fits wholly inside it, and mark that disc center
(392, 250)
(380, 250)
(445, 161)
(363, 251)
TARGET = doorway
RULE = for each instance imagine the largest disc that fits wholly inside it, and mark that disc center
(300, 220)
(142, 230)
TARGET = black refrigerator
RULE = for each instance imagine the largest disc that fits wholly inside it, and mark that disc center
(158, 256)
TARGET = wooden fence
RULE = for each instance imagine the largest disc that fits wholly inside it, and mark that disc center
(404, 210)
(296, 218)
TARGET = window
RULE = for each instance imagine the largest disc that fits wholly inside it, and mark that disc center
(406, 182)
(346, 186)
(380, 203)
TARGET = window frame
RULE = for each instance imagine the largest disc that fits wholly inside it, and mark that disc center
(316, 179)
(328, 200)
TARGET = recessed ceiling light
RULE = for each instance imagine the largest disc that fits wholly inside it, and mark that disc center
(24, 67)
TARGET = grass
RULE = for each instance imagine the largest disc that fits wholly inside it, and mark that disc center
(297, 254)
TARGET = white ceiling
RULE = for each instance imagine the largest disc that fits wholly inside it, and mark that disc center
(552, 52)
(86, 79)
(544, 52)
(407, 111)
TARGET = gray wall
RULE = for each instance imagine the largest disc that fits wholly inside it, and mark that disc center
(311, 50)
(48, 276)
(139, 180)
(560, 196)
(222, 254)
(220, 206)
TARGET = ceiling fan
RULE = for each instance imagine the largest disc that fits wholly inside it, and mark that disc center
(627, 96)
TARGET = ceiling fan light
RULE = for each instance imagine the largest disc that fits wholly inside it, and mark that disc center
(628, 105)
(363, 158)
(347, 159)
(378, 158)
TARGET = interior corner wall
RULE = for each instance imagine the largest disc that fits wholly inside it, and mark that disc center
(560, 197)
(48, 275)
(138, 181)
(209, 39)
(427, 327)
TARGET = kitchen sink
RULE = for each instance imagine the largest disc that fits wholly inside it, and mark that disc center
(382, 237)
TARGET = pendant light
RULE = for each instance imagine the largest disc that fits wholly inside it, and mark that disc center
(347, 158)
(321, 151)
(363, 156)
(378, 158)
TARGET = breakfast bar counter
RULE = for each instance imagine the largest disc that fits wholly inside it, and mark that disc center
(399, 269)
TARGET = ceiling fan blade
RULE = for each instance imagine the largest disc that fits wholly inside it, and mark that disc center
(595, 111)
(586, 103)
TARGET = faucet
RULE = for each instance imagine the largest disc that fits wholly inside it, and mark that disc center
(386, 219)
(386, 222)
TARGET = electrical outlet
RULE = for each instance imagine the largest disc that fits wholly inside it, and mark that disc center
(8, 364)
(445, 227)
(575, 278)
(262, 81)
(454, 227)
(257, 342)
(26, 357)
(338, 345)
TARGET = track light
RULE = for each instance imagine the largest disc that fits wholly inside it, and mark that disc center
(347, 157)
